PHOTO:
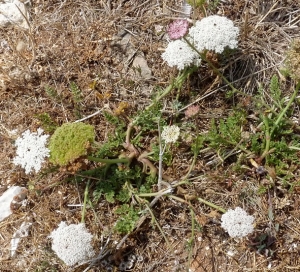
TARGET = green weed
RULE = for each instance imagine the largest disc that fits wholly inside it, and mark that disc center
(148, 119)
(128, 216)
(227, 134)
(274, 142)
(76, 92)
(111, 147)
(279, 143)
(77, 97)
(47, 123)
(52, 93)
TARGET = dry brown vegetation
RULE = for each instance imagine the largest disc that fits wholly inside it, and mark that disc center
(94, 44)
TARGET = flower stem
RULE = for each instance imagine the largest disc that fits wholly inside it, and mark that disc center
(177, 83)
(162, 149)
(86, 191)
(211, 205)
(191, 241)
(267, 137)
(202, 55)
(159, 227)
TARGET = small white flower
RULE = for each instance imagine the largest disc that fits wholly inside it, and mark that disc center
(214, 33)
(180, 54)
(31, 150)
(170, 134)
(237, 222)
(72, 243)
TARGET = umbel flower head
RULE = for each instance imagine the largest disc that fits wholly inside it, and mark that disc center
(214, 33)
(72, 243)
(178, 53)
(170, 134)
(69, 142)
(31, 150)
(177, 29)
(237, 222)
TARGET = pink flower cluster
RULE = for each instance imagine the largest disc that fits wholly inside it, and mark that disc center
(178, 29)
(191, 111)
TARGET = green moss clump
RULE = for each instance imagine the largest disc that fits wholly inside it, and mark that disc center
(196, 3)
(69, 142)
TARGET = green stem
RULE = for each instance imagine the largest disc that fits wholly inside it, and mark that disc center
(161, 153)
(192, 239)
(192, 165)
(238, 146)
(177, 83)
(203, 9)
(109, 161)
(86, 191)
(211, 205)
(166, 191)
(202, 55)
(268, 137)
(279, 118)
(294, 148)
(159, 227)
(269, 133)
(159, 193)
(201, 200)
(148, 194)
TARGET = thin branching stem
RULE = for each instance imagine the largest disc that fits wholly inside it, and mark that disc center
(192, 165)
(192, 239)
(159, 227)
(161, 153)
(86, 192)
(203, 56)
(177, 83)
(211, 205)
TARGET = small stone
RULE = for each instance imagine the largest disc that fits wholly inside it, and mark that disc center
(10, 14)
(141, 67)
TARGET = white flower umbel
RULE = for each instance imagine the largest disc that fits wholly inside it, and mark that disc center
(170, 134)
(178, 53)
(31, 150)
(72, 243)
(237, 222)
(214, 33)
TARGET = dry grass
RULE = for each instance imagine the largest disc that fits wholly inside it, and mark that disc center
(96, 41)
